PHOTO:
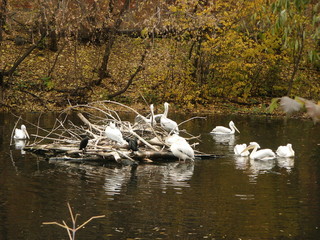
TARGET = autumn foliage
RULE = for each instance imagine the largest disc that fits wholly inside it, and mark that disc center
(55, 52)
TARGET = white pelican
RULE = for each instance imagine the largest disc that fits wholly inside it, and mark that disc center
(21, 133)
(182, 150)
(285, 151)
(151, 120)
(174, 138)
(113, 133)
(263, 154)
(168, 124)
(289, 105)
(238, 150)
(225, 130)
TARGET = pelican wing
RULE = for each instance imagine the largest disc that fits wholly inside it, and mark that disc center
(182, 150)
(285, 151)
(169, 125)
(264, 154)
(238, 150)
(313, 110)
(289, 105)
(114, 134)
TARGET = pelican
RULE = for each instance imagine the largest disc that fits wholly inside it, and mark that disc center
(174, 138)
(285, 151)
(289, 106)
(263, 154)
(21, 133)
(150, 120)
(182, 150)
(168, 124)
(225, 130)
(238, 150)
(113, 133)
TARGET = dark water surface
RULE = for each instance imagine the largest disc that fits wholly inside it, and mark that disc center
(222, 198)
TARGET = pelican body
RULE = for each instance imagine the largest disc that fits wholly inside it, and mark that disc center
(238, 150)
(224, 130)
(174, 138)
(21, 133)
(113, 133)
(285, 151)
(263, 154)
(166, 123)
(181, 149)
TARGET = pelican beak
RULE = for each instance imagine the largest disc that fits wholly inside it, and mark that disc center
(27, 134)
(248, 148)
(236, 129)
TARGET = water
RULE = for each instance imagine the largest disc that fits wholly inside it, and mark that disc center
(221, 198)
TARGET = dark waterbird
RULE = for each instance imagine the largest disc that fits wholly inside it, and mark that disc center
(132, 143)
(84, 143)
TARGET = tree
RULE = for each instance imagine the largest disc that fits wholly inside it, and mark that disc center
(298, 22)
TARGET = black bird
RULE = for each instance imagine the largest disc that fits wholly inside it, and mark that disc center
(84, 143)
(132, 143)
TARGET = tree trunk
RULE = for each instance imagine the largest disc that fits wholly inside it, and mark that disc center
(297, 55)
(103, 71)
(18, 62)
(3, 12)
(140, 67)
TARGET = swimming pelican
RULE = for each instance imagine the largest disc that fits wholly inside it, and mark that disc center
(168, 124)
(263, 154)
(113, 133)
(238, 150)
(285, 151)
(182, 150)
(21, 133)
(225, 130)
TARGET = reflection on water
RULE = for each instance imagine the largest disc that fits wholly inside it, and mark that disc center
(287, 163)
(228, 139)
(19, 145)
(168, 175)
(177, 174)
(255, 167)
(117, 179)
(241, 163)
(260, 166)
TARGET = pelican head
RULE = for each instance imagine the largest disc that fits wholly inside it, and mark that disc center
(252, 145)
(232, 126)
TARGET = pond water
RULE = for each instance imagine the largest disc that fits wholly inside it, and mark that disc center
(219, 198)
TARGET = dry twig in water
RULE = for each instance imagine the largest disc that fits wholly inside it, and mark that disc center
(72, 231)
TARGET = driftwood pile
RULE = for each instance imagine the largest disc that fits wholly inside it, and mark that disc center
(63, 141)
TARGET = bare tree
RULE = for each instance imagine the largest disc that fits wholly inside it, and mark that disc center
(103, 71)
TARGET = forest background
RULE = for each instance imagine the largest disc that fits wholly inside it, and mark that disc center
(197, 54)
